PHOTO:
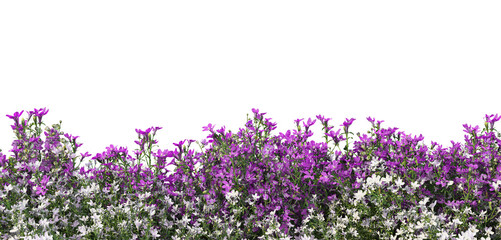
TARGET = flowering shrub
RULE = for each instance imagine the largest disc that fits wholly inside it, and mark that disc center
(252, 185)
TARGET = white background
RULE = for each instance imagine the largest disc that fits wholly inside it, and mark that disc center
(106, 68)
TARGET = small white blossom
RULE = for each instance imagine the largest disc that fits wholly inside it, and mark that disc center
(232, 196)
(489, 231)
(415, 185)
(154, 233)
(399, 182)
(9, 188)
(468, 235)
(496, 185)
(359, 195)
(387, 179)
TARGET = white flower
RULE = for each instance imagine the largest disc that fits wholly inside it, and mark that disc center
(255, 196)
(424, 201)
(310, 210)
(419, 225)
(151, 212)
(14, 229)
(436, 163)
(44, 223)
(304, 237)
(399, 182)
(82, 230)
(42, 237)
(387, 179)
(314, 197)
(456, 221)
(359, 195)
(489, 231)
(374, 180)
(144, 196)
(231, 195)
(228, 231)
(374, 163)
(18, 165)
(496, 185)
(197, 167)
(154, 233)
(468, 235)
(443, 235)
(355, 215)
(22, 204)
(137, 222)
(9, 188)
(353, 231)
(467, 210)
(96, 217)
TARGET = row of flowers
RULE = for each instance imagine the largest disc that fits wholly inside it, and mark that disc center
(252, 184)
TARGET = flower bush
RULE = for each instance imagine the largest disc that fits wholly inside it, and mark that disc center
(252, 185)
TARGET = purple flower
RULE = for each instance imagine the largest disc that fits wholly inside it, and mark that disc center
(39, 113)
(348, 123)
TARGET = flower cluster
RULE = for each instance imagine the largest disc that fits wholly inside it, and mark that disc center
(252, 185)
